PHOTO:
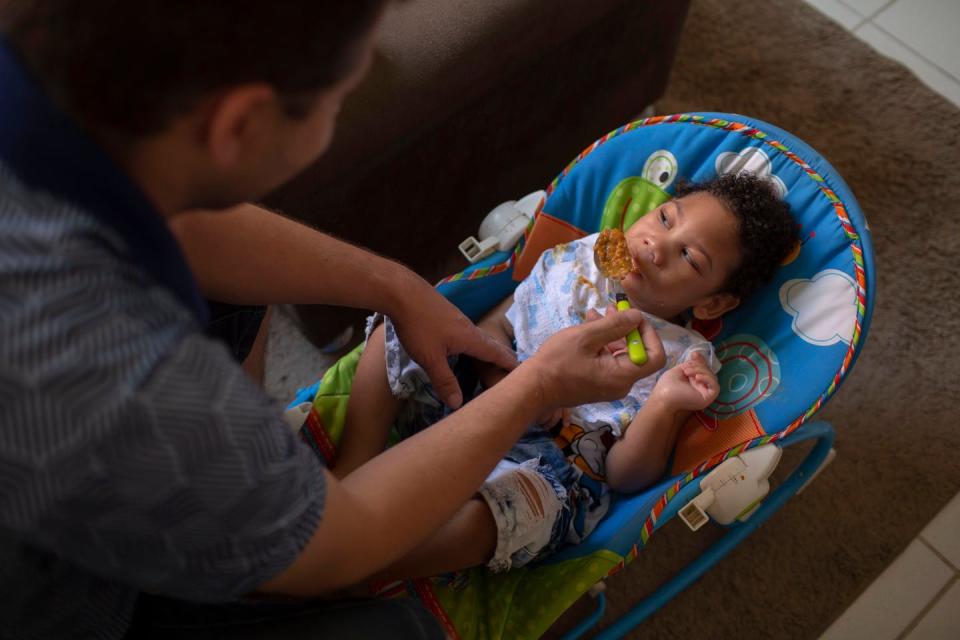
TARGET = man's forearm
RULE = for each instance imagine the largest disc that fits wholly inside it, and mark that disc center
(386, 507)
(396, 500)
(248, 255)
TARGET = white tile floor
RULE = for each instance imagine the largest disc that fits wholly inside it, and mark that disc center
(924, 35)
(918, 596)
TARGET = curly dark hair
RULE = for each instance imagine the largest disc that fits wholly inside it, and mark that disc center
(765, 227)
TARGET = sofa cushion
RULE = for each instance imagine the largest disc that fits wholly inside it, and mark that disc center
(469, 104)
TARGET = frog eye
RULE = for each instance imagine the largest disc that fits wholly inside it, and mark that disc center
(661, 168)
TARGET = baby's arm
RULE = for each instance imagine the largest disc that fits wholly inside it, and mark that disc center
(640, 457)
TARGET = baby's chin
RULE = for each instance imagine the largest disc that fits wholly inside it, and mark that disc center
(649, 304)
(638, 302)
(633, 287)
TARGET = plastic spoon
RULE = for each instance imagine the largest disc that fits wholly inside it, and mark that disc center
(608, 255)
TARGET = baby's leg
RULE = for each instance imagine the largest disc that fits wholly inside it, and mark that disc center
(526, 506)
(370, 410)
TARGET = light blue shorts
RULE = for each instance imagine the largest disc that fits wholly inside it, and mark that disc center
(539, 500)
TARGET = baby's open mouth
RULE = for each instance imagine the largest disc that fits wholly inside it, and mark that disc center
(636, 267)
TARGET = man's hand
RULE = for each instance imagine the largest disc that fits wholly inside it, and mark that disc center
(431, 328)
(249, 255)
(689, 386)
(576, 366)
(618, 346)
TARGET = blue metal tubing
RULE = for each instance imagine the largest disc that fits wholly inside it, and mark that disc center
(823, 432)
(589, 622)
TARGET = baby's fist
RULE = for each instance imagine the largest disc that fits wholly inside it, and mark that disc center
(689, 386)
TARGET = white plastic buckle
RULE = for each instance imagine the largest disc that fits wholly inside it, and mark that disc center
(694, 514)
(474, 250)
(733, 490)
(502, 227)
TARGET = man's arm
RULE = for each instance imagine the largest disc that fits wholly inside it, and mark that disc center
(385, 508)
(248, 255)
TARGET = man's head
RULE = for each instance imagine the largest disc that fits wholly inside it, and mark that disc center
(251, 87)
(711, 246)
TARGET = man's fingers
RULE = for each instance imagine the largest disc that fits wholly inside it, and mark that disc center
(653, 345)
(613, 326)
(489, 350)
(617, 346)
(444, 382)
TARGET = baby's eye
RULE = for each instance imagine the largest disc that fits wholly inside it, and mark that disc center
(689, 258)
(663, 218)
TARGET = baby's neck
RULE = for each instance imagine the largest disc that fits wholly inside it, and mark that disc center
(682, 319)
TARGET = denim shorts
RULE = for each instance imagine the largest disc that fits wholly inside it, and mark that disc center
(538, 498)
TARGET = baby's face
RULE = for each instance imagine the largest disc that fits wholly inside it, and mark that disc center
(682, 253)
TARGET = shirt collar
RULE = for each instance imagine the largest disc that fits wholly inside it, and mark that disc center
(48, 152)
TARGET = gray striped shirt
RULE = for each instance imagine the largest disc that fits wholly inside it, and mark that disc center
(135, 455)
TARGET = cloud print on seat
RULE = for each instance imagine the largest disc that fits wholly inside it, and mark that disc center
(824, 308)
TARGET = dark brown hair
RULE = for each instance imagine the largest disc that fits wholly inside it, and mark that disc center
(766, 229)
(130, 66)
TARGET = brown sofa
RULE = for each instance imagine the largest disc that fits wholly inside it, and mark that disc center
(470, 103)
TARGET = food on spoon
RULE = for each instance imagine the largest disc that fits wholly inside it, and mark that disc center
(611, 255)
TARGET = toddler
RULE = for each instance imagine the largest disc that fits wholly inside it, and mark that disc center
(696, 256)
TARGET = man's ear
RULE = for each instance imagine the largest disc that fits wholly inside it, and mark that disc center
(236, 120)
(714, 306)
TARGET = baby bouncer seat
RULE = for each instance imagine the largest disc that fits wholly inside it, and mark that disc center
(784, 353)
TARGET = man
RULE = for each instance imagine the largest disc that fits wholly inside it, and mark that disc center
(135, 456)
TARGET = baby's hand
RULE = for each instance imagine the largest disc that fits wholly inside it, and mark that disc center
(689, 386)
